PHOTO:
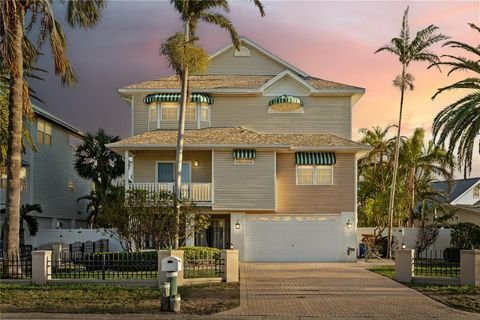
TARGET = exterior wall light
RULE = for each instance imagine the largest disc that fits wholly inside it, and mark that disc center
(404, 246)
(349, 224)
(195, 163)
(237, 225)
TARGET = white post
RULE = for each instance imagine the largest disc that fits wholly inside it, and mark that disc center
(230, 265)
(470, 267)
(41, 270)
(127, 167)
(404, 265)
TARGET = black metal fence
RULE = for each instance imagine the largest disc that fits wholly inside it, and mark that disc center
(103, 266)
(433, 264)
(19, 268)
(202, 264)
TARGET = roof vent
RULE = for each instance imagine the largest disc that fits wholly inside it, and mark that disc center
(242, 52)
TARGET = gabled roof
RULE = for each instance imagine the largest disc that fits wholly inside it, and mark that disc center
(42, 113)
(238, 137)
(458, 187)
(213, 83)
(272, 56)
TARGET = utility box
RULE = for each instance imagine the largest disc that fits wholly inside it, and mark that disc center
(171, 264)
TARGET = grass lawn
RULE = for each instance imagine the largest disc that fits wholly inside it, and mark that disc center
(86, 298)
(465, 298)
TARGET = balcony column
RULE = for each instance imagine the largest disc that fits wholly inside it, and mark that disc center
(127, 169)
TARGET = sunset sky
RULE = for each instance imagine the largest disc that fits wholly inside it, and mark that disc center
(329, 40)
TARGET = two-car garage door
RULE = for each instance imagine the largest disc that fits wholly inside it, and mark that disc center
(293, 238)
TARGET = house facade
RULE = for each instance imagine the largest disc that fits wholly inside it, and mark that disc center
(463, 195)
(48, 175)
(267, 147)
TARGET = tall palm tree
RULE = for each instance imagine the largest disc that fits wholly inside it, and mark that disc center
(407, 50)
(418, 161)
(16, 51)
(459, 123)
(191, 13)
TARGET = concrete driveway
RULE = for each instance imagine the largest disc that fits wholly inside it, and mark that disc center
(332, 290)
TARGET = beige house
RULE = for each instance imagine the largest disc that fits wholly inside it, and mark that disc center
(267, 147)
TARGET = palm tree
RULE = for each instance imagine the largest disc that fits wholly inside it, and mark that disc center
(17, 52)
(459, 123)
(99, 164)
(26, 218)
(418, 161)
(191, 13)
(407, 51)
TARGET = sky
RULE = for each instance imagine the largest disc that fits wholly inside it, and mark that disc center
(330, 40)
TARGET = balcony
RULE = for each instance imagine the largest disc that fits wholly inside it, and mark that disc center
(194, 191)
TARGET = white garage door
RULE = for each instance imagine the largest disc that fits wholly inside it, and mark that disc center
(293, 238)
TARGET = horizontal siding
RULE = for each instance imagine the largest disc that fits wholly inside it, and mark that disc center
(315, 199)
(256, 64)
(140, 114)
(244, 187)
(144, 163)
(321, 115)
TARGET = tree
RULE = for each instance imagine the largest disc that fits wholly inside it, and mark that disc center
(137, 216)
(459, 122)
(26, 218)
(96, 162)
(407, 51)
(16, 51)
(420, 162)
(181, 52)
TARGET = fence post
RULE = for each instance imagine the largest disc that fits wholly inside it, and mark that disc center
(404, 265)
(230, 269)
(103, 266)
(41, 266)
(162, 276)
(470, 267)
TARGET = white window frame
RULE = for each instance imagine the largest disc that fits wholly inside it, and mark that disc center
(194, 107)
(43, 132)
(314, 175)
(476, 191)
(205, 107)
(162, 106)
(243, 162)
(174, 171)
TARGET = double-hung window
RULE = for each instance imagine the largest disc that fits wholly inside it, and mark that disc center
(191, 112)
(170, 111)
(44, 132)
(314, 175)
(204, 113)
(23, 178)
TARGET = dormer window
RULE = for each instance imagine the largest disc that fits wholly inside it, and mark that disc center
(286, 104)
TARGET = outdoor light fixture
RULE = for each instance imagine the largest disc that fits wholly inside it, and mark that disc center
(349, 224)
(237, 225)
(195, 163)
(404, 246)
(231, 246)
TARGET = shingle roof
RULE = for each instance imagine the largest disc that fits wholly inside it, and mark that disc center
(206, 82)
(238, 136)
(459, 187)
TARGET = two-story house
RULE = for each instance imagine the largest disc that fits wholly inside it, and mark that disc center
(48, 175)
(267, 147)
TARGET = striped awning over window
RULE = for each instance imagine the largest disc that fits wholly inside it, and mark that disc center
(286, 99)
(320, 158)
(244, 154)
(174, 97)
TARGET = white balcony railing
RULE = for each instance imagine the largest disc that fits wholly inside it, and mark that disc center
(194, 191)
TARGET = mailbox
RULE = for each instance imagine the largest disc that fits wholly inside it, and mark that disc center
(171, 264)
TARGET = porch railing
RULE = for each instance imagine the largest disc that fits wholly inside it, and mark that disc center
(195, 191)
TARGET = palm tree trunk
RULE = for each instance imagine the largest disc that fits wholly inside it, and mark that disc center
(14, 146)
(391, 202)
(180, 141)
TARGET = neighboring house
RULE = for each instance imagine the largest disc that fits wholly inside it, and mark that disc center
(48, 175)
(267, 147)
(464, 196)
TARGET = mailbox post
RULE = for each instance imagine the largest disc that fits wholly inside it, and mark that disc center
(172, 265)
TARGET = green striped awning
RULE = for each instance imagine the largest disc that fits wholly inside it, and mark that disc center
(174, 97)
(244, 154)
(286, 99)
(321, 158)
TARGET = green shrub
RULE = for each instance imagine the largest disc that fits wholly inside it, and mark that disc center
(451, 254)
(466, 235)
(192, 253)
